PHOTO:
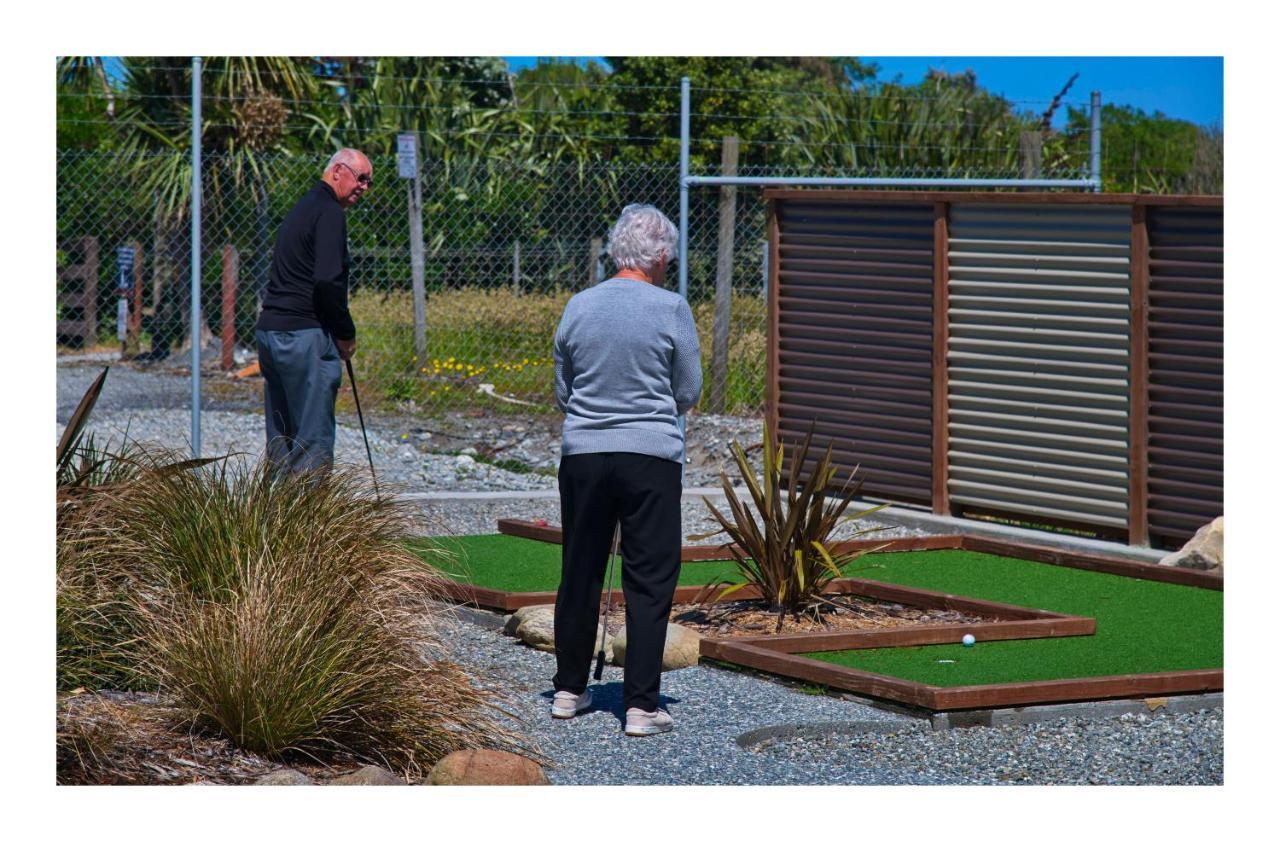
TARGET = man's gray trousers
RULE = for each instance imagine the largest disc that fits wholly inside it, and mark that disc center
(302, 371)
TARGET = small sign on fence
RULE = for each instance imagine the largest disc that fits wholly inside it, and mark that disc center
(124, 285)
(407, 154)
(124, 264)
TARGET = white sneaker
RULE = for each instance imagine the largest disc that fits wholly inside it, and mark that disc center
(643, 724)
(566, 705)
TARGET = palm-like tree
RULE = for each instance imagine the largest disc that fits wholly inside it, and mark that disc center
(247, 103)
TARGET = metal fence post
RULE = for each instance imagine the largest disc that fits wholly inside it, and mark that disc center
(684, 227)
(196, 318)
(684, 188)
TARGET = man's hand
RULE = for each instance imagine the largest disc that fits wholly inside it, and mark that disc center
(346, 348)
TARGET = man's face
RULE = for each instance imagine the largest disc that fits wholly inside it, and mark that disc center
(350, 181)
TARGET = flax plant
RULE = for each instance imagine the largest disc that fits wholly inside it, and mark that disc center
(788, 554)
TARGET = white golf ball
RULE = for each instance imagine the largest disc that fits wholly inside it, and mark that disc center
(968, 640)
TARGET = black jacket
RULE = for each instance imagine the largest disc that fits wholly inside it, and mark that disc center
(308, 283)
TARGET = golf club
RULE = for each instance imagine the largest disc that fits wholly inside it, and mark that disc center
(356, 394)
(617, 538)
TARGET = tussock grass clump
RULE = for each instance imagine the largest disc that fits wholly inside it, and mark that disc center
(283, 612)
(97, 635)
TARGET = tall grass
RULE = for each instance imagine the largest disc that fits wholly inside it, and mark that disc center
(283, 612)
(97, 640)
(496, 336)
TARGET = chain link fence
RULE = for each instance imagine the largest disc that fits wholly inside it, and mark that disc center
(505, 245)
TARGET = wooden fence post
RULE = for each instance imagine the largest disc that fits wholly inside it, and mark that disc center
(1140, 283)
(593, 265)
(133, 330)
(1031, 150)
(941, 331)
(230, 280)
(84, 299)
(724, 280)
(515, 268)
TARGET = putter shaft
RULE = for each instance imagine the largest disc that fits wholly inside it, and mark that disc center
(355, 393)
(617, 539)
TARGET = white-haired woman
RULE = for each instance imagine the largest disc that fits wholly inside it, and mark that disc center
(627, 366)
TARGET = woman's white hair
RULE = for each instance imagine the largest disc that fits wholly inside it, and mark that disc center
(641, 236)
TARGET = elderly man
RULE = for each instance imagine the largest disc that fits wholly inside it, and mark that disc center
(626, 367)
(305, 329)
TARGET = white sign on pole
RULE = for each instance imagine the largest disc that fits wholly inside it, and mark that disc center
(407, 154)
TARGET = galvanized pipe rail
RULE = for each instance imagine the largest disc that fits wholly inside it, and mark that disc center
(1093, 182)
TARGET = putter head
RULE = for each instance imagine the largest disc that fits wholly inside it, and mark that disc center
(599, 664)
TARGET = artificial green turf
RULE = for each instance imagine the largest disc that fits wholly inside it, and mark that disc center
(508, 563)
(1142, 626)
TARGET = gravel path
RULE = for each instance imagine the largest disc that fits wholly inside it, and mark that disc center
(712, 706)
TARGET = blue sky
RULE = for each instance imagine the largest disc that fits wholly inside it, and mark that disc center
(1188, 88)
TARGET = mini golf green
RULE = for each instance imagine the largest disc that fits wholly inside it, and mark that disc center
(517, 565)
(1142, 626)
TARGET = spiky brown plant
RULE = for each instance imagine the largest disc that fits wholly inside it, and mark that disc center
(789, 556)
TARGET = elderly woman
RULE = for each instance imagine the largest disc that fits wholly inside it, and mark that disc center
(626, 367)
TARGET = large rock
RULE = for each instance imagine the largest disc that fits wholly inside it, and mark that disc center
(1202, 552)
(486, 767)
(284, 777)
(535, 625)
(680, 651)
(369, 776)
(517, 619)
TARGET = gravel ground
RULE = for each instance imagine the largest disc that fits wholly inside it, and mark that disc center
(409, 450)
(1131, 749)
(712, 706)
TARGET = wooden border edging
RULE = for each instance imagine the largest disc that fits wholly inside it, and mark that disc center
(751, 653)
(1099, 564)
(721, 552)
(977, 543)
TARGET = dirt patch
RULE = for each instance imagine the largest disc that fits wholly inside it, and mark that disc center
(842, 612)
(139, 738)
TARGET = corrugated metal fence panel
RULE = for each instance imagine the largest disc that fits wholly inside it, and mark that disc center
(855, 323)
(1184, 474)
(1038, 360)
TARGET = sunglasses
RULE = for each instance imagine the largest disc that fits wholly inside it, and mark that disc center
(366, 180)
